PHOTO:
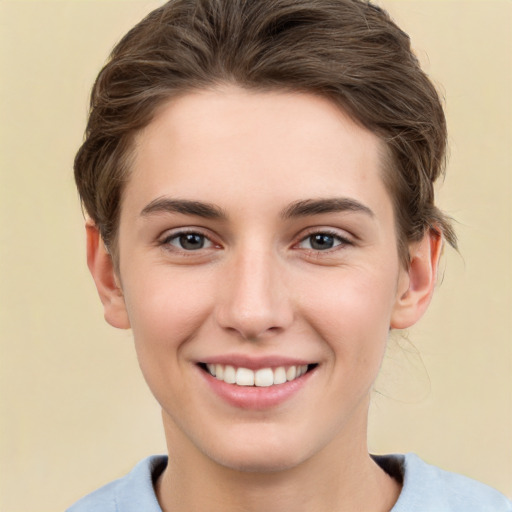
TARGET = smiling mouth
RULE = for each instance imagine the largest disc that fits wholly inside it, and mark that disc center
(263, 377)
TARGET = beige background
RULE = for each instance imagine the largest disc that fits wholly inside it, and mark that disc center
(74, 411)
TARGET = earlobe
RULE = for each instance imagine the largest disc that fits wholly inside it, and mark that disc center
(103, 272)
(417, 284)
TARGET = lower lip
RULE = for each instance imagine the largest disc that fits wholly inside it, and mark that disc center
(255, 397)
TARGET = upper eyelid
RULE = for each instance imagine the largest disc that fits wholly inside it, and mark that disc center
(171, 234)
(340, 241)
(174, 232)
(335, 232)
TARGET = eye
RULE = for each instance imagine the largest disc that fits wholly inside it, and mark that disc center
(189, 241)
(322, 241)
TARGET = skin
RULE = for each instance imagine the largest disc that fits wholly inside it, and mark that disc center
(260, 287)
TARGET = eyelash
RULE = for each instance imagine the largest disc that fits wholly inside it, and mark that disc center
(339, 241)
(167, 241)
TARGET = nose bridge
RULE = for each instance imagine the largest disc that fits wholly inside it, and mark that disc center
(255, 300)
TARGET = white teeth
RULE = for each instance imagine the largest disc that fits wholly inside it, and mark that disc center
(291, 373)
(244, 377)
(264, 377)
(229, 374)
(280, 375)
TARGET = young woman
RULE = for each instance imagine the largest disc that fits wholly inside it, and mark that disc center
(258, 178)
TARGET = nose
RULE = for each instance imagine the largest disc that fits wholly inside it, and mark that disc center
(254, 301)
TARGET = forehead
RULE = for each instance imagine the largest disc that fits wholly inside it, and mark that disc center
(239, 147)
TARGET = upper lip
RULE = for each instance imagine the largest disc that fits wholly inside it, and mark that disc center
(254, 363)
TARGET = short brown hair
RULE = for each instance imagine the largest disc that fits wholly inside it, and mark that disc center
(349, 51)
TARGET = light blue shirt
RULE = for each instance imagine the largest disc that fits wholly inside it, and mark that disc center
(425, 489)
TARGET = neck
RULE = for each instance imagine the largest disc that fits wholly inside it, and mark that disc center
(340, 478)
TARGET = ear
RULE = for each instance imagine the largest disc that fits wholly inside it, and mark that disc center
(102, 269)
(416, 284)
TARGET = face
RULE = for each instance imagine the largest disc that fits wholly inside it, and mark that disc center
(260, 275)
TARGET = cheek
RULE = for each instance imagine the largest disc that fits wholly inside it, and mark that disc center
(351, 311)
(166, 308)
(166, 311)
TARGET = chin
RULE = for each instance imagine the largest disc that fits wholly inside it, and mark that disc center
(260, 456)
(259, 463)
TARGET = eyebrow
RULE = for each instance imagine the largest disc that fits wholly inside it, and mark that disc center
(301, 208)
(309, 207)
(184, 206)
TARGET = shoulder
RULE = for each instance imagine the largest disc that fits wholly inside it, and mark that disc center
(131, 493)
(427, 488)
